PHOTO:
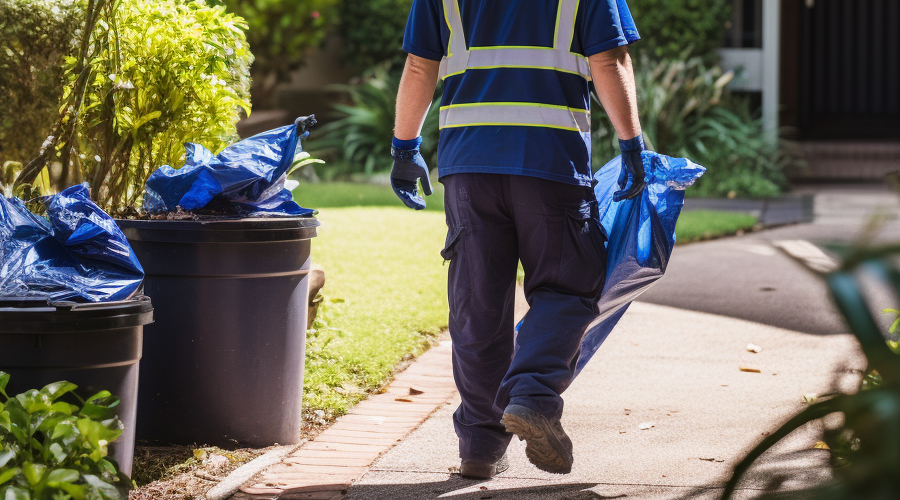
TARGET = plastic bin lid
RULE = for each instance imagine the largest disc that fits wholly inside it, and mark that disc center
(28, 315)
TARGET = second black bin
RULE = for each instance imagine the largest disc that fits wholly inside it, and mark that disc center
(223, 363)
(95, 346)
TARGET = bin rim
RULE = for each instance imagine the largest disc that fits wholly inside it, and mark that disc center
(221, 230)
(29, 315)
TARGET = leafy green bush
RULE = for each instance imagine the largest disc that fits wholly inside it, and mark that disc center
(686, 111)
(361, 140)
(34, 37)
(865, 447)
(280, 35)
(670, 27)
(373, 35)
(55, 450)
(149, 76)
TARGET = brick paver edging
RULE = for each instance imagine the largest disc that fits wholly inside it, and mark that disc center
(324, 468)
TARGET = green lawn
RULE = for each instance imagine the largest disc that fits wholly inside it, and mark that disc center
(348, 194)
(696, 225)
(385, 299)
(386, 285)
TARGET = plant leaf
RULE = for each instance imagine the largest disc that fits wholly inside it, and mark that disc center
(57, 389)
(4, 381)
(62, 476)
(8, 474)
(34, 473)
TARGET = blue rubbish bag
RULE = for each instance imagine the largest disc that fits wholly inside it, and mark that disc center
(246, 178)
(641, 234)
(77, 253)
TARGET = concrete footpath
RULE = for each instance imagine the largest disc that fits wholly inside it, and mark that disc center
(674, 399)
(676, 372)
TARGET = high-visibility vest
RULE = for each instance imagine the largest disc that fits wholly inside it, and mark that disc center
(460, 59)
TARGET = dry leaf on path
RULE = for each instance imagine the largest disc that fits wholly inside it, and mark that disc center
(750, 369)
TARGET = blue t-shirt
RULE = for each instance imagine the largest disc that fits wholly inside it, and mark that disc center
(545, 152)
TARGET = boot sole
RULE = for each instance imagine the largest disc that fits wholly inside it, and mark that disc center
(544, 450)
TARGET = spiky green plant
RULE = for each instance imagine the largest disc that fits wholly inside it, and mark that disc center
(687, 111)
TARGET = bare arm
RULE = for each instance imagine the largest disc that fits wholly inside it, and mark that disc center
(614, 80)
(417, 85)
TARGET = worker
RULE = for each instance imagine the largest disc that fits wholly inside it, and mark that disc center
(514, 159)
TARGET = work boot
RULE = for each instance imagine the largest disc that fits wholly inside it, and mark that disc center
(547, 445)
(474, 469)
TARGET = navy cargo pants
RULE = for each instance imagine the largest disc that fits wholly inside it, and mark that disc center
(495, 220)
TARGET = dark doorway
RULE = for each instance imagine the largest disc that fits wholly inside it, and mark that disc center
(849, 69)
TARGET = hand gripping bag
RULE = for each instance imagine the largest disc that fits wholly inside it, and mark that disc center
(641, 233)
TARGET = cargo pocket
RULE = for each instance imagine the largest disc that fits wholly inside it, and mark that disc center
(452, 242)
(583, 254)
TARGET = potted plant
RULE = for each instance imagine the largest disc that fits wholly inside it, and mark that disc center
(224, 358)
(53, 448)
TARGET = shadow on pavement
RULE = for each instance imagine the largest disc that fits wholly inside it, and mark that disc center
(458, 488)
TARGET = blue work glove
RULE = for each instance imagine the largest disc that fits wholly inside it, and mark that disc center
(409, 167)
(631, 179)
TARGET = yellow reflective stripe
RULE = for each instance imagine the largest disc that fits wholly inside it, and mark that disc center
(518, 104)
(450, 27)
(515, 66)
(515, 114)
(457, 54)
(499, 124)
(565, 24)
(527, 57)
(572, 36)
(505, 47)
(444, 77)
(559, 7)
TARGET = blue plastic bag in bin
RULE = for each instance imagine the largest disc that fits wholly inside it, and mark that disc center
(246, 178)
(77, 253)
(641, 234)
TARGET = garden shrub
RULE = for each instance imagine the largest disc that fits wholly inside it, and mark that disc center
(54, 449)
(373, 35)
(686, 110)
(680, 28)
(281, 32)
(360, 141)
(153, 75)
(34, 37)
